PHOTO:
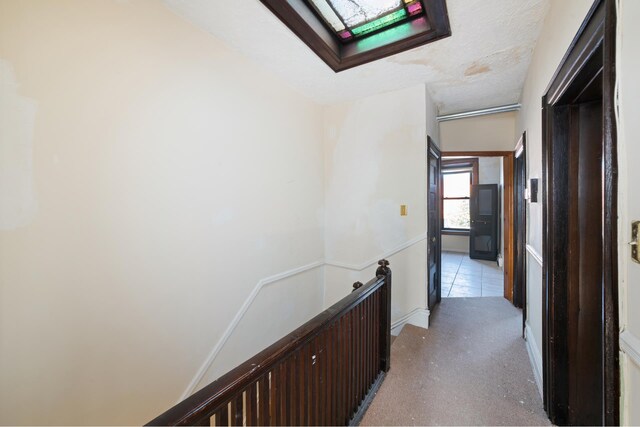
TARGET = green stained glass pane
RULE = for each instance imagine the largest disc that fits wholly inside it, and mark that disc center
(387, 20)
(328, 14)
(357, 12)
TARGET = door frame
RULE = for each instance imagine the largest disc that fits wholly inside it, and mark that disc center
(520, 226)
(598, 31)
(508, 200)
(434, 150)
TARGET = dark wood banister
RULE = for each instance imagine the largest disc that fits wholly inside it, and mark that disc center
(196, 409)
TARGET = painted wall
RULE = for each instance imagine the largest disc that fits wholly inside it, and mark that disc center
(375, 161)
(150, 178)
(452, 243)
(493, 132)
(628, 64)
(560, 27)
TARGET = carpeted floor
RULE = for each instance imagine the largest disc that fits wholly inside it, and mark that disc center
(469, 368)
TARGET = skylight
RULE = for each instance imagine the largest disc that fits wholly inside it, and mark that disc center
(348, 33)
(354, 19)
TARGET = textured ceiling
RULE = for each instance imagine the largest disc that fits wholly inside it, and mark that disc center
(483, 64)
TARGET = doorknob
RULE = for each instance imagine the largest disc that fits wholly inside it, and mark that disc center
(433, 239)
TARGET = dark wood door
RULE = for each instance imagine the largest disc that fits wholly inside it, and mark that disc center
(484, 212)
(434, 220)
(580, 308)
(585, 265)
(520, 225)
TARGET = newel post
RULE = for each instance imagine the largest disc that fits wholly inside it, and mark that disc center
(385, 315)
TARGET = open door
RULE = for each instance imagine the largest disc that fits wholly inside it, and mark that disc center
(434, 221)
(580, 306)
(484, 212)
(520, 225)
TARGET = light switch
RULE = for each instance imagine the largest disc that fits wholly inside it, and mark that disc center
(403, 210)
(533, 190)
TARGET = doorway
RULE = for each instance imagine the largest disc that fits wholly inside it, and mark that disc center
(458, 240)
(580, 308)
(434, 218)
(520, 228)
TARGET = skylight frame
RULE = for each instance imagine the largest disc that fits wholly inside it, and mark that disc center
(303, 21)
(408, 10)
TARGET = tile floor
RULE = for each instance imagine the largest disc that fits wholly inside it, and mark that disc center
(466, 277)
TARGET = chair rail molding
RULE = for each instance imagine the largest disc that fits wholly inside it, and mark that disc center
(238, 317)
(534, 254)
(374, 261)
(630, 345)
(211, 357)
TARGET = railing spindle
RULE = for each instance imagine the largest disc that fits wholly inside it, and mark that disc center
(236, 411)
(264, 401)
(251, 405)
(222, 416)
(292, 396)
(315, 375)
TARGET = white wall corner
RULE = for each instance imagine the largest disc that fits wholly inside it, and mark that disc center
(535, 357)
(418, 317)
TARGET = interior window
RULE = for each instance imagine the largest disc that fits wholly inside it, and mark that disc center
(456, 192)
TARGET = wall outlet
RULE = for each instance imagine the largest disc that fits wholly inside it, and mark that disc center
(403, 210)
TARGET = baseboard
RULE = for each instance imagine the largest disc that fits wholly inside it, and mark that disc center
(535, 357)
(456, 251)
(418, 317)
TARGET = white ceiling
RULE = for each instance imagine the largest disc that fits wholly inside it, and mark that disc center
(483, 64)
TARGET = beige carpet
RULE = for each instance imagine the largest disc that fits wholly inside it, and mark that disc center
(469, 368)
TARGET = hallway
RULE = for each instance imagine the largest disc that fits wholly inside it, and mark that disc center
(466, 277)
(469, 368)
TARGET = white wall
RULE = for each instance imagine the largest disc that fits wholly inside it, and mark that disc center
(149, 179)
(492, 132)
(560, 27)
(628, 64)
(489, 170)
(452, 243)
(375, 161)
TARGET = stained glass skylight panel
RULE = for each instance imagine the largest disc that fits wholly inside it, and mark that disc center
(353, 19)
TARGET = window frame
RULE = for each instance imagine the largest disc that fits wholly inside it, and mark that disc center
(457, 164)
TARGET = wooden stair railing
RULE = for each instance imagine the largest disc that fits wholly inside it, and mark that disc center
(326, 372)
